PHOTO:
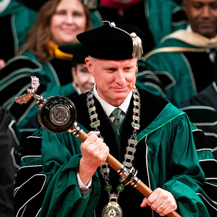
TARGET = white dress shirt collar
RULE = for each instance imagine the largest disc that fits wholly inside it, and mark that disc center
(109, 108)
(189, 29)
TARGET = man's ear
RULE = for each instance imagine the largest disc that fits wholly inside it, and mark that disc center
(89, 65)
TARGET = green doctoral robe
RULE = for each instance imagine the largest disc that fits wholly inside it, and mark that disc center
(166, 157)
(164, 17)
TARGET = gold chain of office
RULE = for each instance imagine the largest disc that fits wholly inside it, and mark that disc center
(132, 141)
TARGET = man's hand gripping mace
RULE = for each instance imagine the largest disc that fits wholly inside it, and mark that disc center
(58, 114)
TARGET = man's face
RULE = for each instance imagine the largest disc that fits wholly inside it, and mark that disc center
(114, 78)
(202, 16)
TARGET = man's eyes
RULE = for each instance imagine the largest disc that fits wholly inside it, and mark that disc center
(114, 69)
(111, 69)
(199, 6)
(214, 6)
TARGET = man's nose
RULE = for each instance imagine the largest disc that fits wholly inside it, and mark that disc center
(119, 77)
(206, 12)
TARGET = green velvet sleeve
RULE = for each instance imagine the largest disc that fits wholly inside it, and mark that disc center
(61, 157)
(174, 166)
(186, 175)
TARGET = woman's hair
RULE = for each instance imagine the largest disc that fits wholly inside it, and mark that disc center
(40, 34)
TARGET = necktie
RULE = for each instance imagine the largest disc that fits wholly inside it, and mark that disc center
(117, 115)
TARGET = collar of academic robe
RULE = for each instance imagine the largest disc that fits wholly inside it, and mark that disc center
(184, 41)
(151, 106)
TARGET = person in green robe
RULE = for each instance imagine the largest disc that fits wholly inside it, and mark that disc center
(185, 61)
(40, 56)
(15, 21)
(60, 176)
(16, 18)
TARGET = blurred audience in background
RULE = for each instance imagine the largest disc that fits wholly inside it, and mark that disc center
(185, 61)
(58, 22)
(39, 38)
(83, 81)
(156, 18)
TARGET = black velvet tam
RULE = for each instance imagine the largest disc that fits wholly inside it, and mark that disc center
(110, 43)
(78, 51)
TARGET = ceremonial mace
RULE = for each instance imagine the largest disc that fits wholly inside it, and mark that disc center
(58, 114)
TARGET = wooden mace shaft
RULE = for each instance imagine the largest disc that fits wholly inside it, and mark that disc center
(116, 165)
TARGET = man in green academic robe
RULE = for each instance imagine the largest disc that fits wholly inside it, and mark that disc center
(60, 176)
(185, 61)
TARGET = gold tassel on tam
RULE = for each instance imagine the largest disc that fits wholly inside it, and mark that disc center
(137, 45)
(91, 4)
